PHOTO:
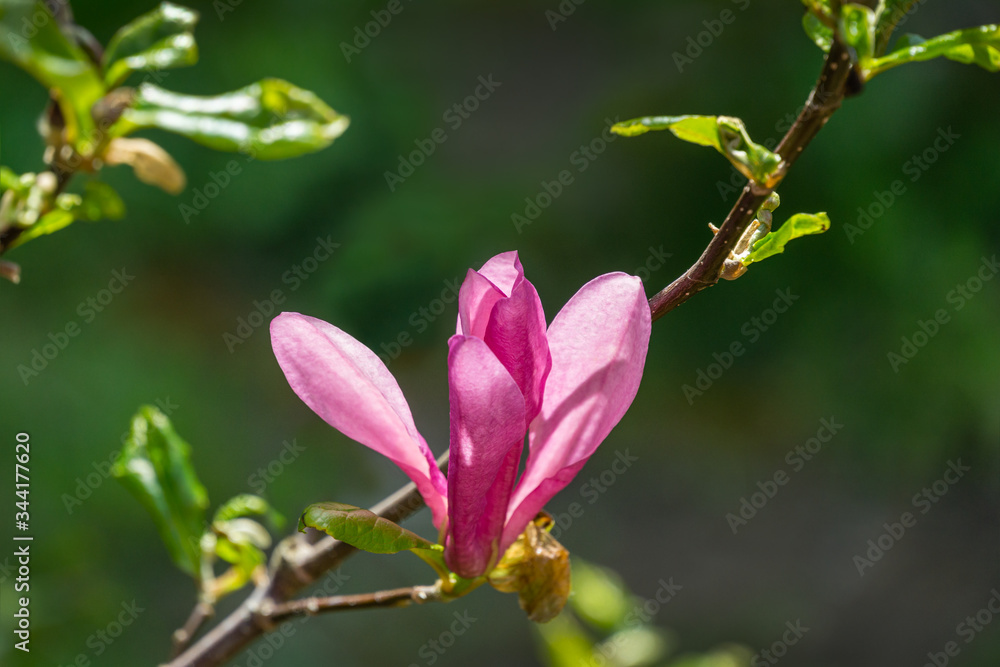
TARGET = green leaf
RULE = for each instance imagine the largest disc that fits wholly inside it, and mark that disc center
(158, 40)
(155, 466)
(726, 134)
(858, 24)
(362, 529)
(800, 224)
(893, 14)
(820, 33)
(977, 46)
(10, 180)
(267, 120)
(99, 201)
(247, 505)
(600, 597)
(818, 23)
(30, 37)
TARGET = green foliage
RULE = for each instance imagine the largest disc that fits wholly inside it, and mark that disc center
(161, 39)
(247, 504)
(55, 61)
(867, 31)
(606, 624)
(973, 46)
(725, 134)
(362, 528)
(268, 120)
(155, 466)
(818, 23)
(800, 224)
(99, 201)
(857, 25)
(238, 541)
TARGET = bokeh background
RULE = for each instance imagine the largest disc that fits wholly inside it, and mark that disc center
(162, 339)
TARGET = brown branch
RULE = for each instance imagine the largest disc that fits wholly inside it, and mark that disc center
(301, 560)
(297, 562)
(397, 597)
(183, 635)
(825, 98)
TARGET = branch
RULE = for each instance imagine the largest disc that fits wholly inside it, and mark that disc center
(825, 98)
(183, 635)
(301, 560)
(397, 597)
(297, 562)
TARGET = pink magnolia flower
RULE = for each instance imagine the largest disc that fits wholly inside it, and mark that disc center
(566, 386)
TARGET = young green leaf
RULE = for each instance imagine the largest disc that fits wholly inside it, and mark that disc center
(725, 134)
(975, 46)
(55, 61)
(800, 224)
(362, 528)
(267, 120)
(818, 22)
(155, 466)
(99, 201)
(892, 15)
(820, 33)
(247, 504)
(858, 24)
(158, 40)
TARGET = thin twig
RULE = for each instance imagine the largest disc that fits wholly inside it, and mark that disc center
(823, 101)
(397, 597)
(183, 635)
(300, 562)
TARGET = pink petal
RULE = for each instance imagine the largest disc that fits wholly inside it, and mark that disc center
(482, 289)
(347, 385)
(487, 434)
(516, 335)
(598, 343)
(503, 270)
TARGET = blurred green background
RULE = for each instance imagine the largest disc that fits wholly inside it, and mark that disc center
(162, 340)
